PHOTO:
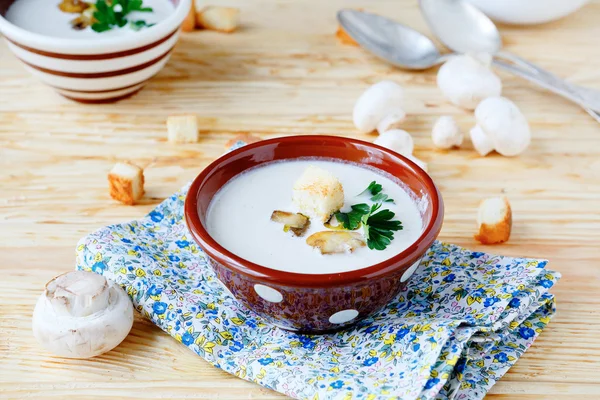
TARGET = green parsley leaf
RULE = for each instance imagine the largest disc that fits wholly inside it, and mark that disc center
(373, 188)
(379, 226)
(352, 220)
(377, 194)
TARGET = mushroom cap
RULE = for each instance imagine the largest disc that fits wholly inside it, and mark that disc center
(466, 81)
(446, 133)
(377, 102)
(81, 315)
(504, 124)
(396, 140)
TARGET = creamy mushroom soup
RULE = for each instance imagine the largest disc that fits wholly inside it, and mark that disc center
(46, 18)
(240, 217)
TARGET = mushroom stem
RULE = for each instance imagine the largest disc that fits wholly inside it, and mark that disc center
(391, 121)
(481, 142)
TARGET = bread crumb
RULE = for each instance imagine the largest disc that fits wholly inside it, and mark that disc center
(344, 38)
(247, 138)
(182, 129)
(222, 19)
(126, 183)
(494, 220)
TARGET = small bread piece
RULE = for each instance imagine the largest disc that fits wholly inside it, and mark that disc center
(318, 193)
(222, 19)
(494, 220)
(126, 183)
(189, 23)
(331, 242)
(344, 38)
(182, 128)
(247, 138)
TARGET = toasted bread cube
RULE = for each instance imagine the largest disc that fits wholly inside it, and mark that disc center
(494, 220)
(126, 183)
(189, 23)
(240, 140)
(318, 193)
(344, 38)
(222, 19)
(182, 128)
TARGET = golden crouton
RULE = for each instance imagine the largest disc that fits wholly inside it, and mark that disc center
(182, 128)
(222, 19)
(126, 183)
(189, 23)
(318, 193)
(494, 220)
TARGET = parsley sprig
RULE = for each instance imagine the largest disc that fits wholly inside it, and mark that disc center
(378, 225)
(377, 194)
(113, 13)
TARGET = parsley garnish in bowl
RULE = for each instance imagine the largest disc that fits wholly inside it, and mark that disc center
(378, 225)
(113, 13)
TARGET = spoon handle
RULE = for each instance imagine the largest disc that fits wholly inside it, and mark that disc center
(586, 97)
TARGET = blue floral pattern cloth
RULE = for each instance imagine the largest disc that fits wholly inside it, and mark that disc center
(461, 323)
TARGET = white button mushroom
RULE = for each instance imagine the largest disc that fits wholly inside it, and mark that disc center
(397, 140)
(82, 315)
(379, 107)
(402, 143)
(466, 80)
(446, 133)
(500, 126)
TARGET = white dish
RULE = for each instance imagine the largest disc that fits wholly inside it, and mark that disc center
(527, 11)
(108, 68)
(238, 218)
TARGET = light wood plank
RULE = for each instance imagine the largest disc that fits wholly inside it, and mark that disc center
(285, 74)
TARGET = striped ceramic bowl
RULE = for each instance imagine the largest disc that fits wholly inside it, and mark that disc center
(100, 70)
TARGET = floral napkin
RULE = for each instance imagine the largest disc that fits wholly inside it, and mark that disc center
(461, 323)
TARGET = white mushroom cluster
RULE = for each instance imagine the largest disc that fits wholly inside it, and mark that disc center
(82, 315)
(380, 108)
(468, 82)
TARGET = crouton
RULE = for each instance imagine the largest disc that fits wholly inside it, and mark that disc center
(189, 23)
(246, 138)
(182, 128)
(222, 19)
(318, 193)
(126, 183)
(344, 38)
(494, 220)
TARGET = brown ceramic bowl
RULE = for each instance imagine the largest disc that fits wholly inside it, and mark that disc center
(311, 303)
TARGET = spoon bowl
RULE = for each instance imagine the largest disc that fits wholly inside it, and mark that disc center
(461, 27)
(393, 42)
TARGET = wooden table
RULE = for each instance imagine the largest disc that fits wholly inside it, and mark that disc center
(284, 73)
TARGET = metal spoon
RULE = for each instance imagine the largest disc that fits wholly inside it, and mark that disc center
(393, 42)
(463, 28)
(407, 48)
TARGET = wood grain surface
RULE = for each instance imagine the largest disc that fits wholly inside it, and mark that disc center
(284, 73)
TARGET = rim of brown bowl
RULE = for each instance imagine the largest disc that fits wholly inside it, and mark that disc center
(292, 279)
